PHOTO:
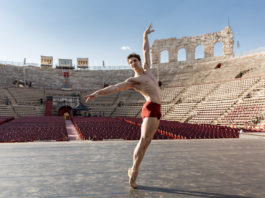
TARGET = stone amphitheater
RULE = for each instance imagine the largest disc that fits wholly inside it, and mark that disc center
(206, 99)
(219, 90)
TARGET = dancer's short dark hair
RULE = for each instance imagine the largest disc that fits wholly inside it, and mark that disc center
(134, 55)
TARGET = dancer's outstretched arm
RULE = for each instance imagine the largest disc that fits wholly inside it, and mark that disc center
(146, 48)
(128, 84)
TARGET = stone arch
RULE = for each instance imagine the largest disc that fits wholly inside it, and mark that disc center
(182, 54)
(174, 46)
(218, 49)
(199, 52)
(164, 56)
(62, 110)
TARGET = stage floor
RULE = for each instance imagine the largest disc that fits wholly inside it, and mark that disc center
(171, 168)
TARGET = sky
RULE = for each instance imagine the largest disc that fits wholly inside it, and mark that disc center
(108, 30)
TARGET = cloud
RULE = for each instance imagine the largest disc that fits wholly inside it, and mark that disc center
(125, 48)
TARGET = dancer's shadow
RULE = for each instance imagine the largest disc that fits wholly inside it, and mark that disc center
(149, 190)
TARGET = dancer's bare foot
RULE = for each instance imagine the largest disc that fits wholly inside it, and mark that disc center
(132, 177)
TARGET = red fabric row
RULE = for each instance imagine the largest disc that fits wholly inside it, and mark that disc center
(27, 129)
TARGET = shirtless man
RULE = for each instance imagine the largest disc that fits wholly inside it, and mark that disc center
(145, 83)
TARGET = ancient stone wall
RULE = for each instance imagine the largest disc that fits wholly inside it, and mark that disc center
(54, 78)
(206, 72)
(208, 41)
(169, 74)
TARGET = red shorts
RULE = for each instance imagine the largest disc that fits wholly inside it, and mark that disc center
(151, 109)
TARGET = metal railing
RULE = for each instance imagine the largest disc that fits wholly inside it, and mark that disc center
(18, 63)
(121, 67)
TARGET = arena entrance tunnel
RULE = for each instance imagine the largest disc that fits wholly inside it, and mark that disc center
(65, 109)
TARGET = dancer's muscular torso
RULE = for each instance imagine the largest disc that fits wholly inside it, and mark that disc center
(147, 85)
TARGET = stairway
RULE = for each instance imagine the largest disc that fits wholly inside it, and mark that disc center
(72, 132)
(10, 96)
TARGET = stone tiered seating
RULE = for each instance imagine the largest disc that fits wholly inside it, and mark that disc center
(102, 106)
(179, 112)
(3, 100)
(27, 96)
(130, 104)
(125, 94)
(231, 89)
(6, 110)
(99, 110)
(259, 91)
(168, 94)
(208, 111)
(134, 98)
(124, 103)
(28, 129)
(165, 108)
(23, 110)
(105, 100)
(196, 93)
(128, 111)
(177, 80)
(3, 97)
(245, 112)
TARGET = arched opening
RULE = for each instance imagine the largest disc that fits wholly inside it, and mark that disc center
(218, 49)
(164, 56)
(65, 109)
(182, 55)
(199, 52)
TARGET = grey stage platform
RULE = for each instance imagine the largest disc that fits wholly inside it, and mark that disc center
(171, 168)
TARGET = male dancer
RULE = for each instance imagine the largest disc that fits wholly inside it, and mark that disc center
(145, 83)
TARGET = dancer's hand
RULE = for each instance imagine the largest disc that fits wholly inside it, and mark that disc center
(148, 30)
(92, 96)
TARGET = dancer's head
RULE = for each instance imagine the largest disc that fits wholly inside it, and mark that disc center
(134, 55)
(134, 61)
